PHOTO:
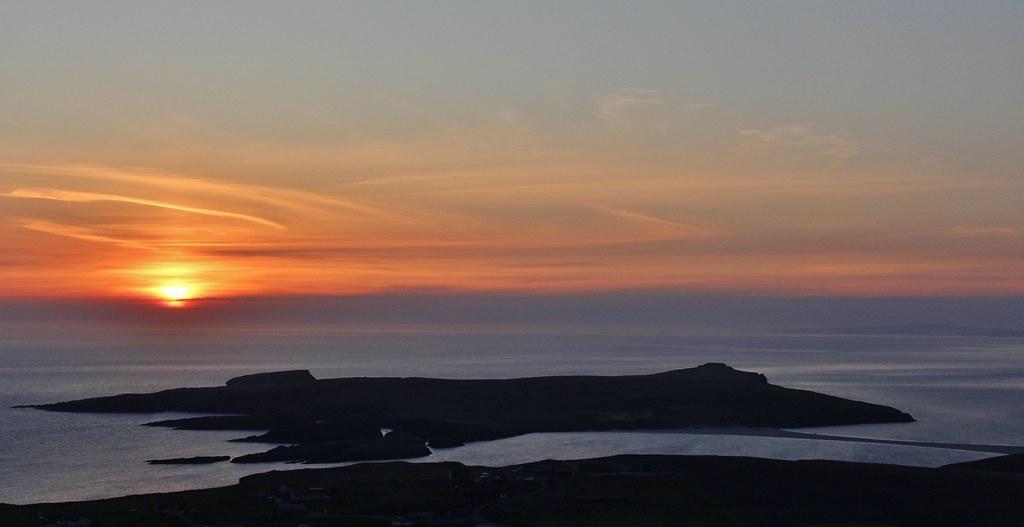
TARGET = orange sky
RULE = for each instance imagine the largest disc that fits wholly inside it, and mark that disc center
(88, 230)
(156, 153)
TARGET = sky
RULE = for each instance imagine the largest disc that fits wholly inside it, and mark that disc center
(180, 150)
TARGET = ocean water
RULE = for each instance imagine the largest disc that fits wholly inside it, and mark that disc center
(961, 389)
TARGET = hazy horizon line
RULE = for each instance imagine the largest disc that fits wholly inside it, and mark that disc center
(632, 309)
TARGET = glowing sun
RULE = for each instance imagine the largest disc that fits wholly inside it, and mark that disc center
(175, 295)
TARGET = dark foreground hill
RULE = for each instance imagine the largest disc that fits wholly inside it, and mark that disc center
(615, 491)
(1011, 464)
(341, 419)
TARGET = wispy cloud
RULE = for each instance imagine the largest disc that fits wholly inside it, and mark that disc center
(78, 233)
(89, 197)
(284, 198)
(960, 237)
(967, 231)
(617, 105)
(806, 136)
(695, 230)
(694, 106)
(613, 105)
(416, 178)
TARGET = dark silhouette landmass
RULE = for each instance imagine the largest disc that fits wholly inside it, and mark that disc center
(917, 329)
(395, 445)
(272, 379)
(194, 460)
(630, 490)
(333, 420)
(1011, 464)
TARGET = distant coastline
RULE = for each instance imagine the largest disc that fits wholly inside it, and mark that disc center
(915, 330)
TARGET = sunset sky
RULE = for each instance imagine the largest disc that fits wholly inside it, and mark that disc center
(181, 150)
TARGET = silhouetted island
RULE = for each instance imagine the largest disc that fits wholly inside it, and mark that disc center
(617, 491)
(334, 420)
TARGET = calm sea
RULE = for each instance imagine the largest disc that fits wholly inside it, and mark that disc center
(961, 389)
